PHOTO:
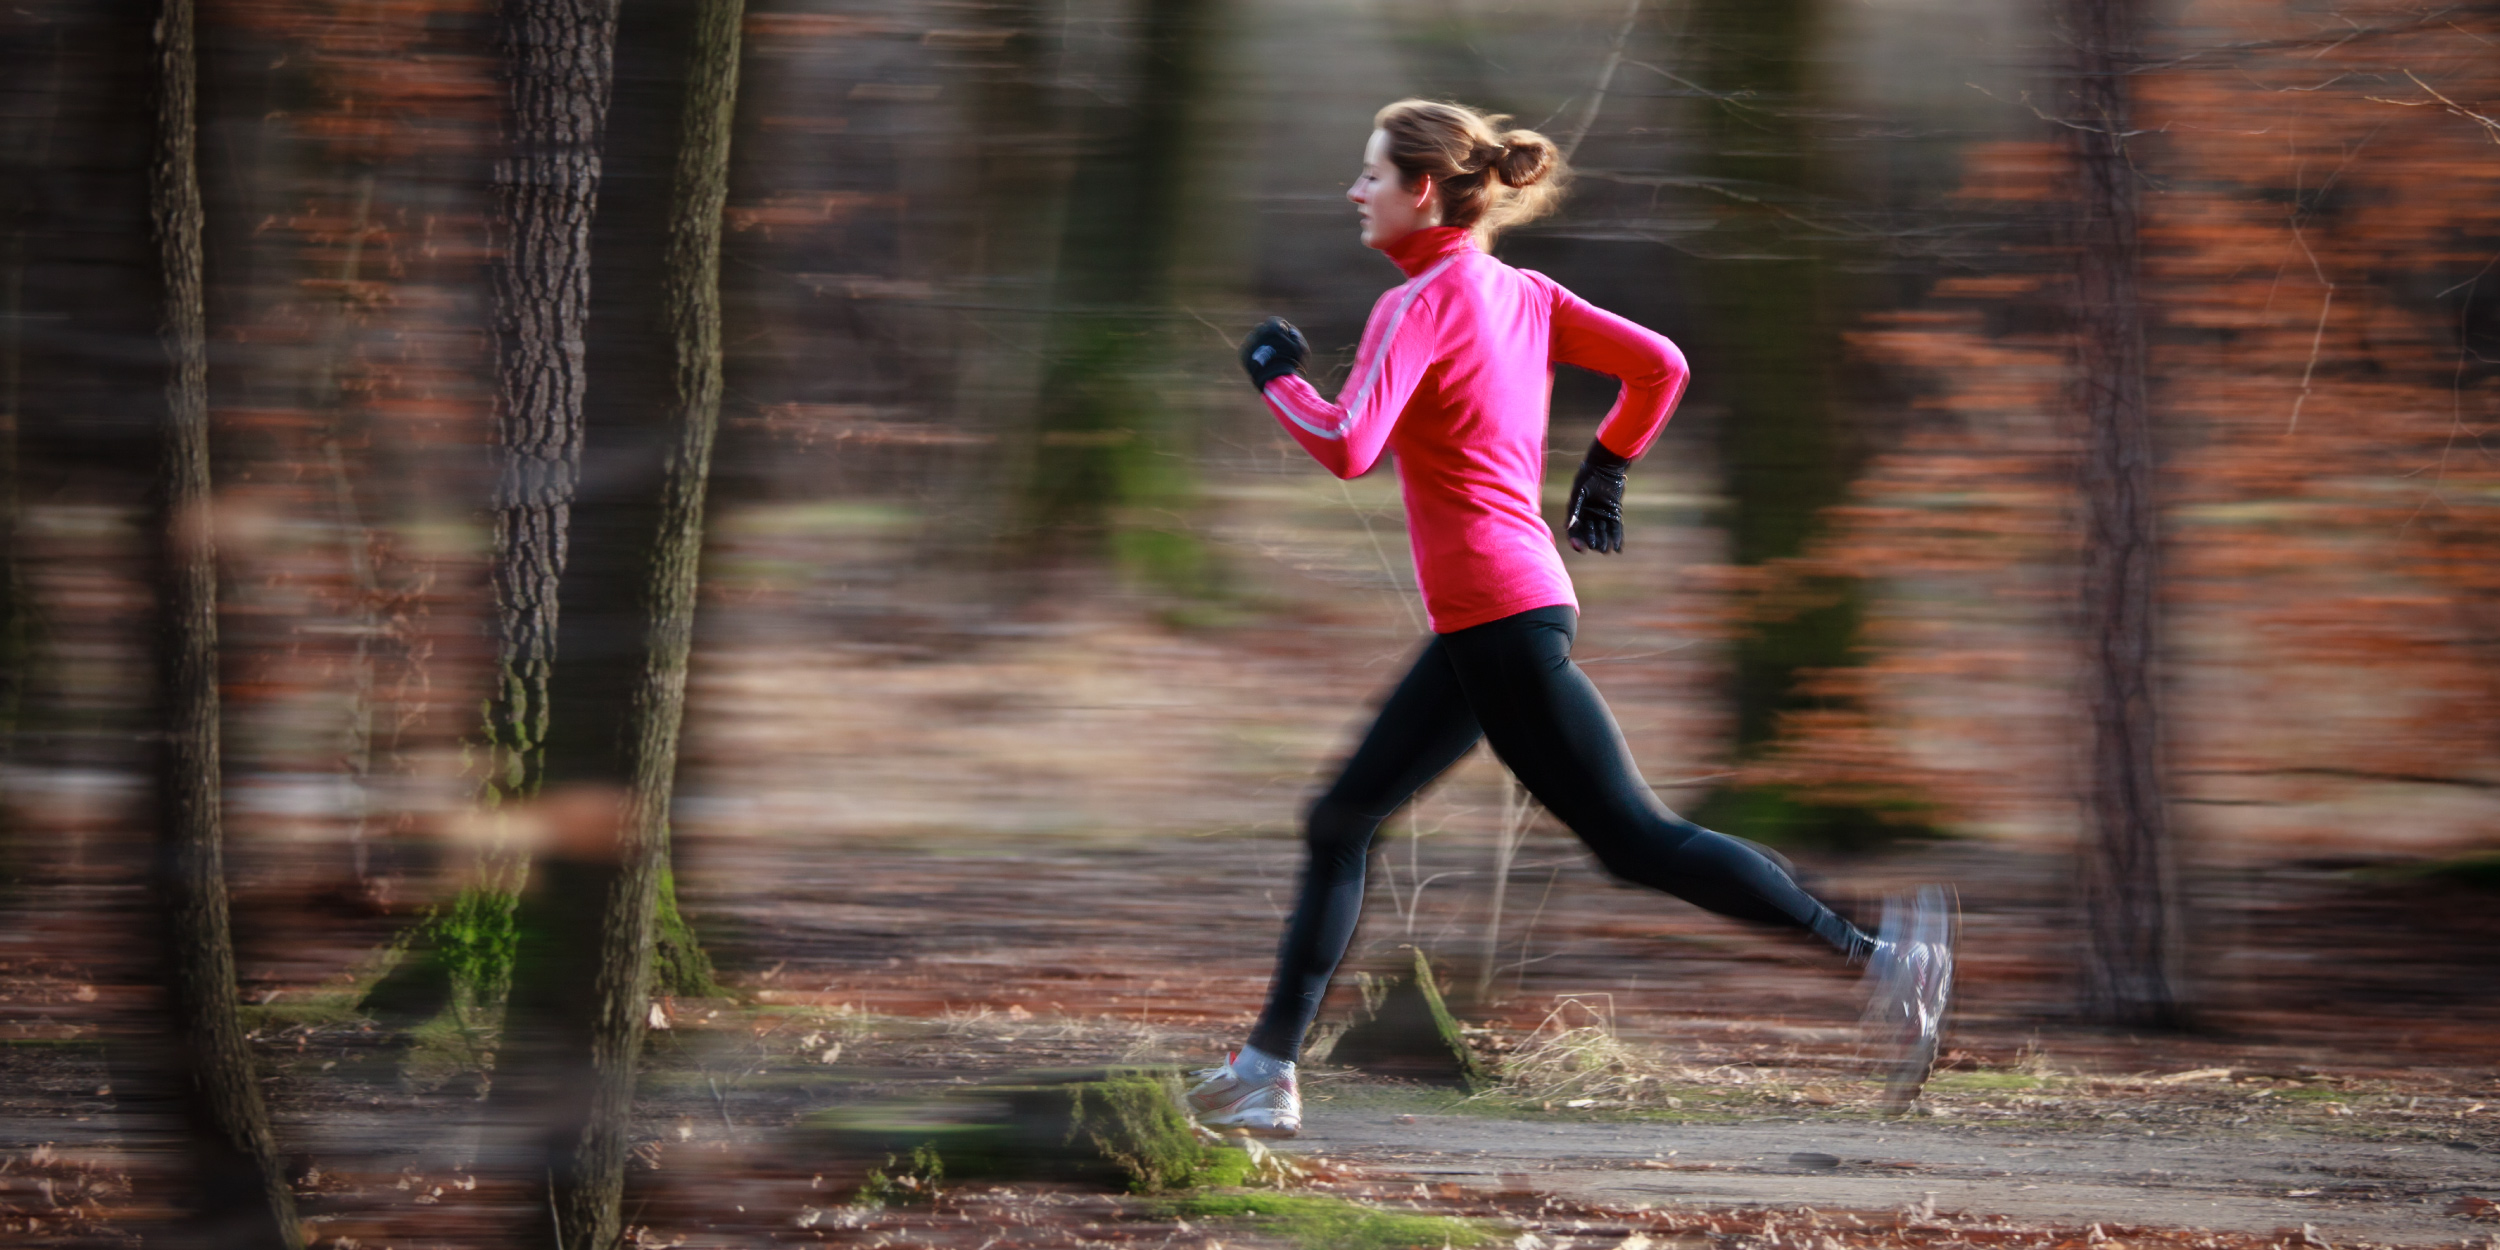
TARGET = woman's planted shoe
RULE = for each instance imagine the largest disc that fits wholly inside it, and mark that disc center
(1260, 1106)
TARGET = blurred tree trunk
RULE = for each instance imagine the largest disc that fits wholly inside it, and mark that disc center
(32, 145)
(244, 1198)
(2130, 886)
(30, 149)
(558, 56)
(1773, 334)
(590, 927)
(1108, 467)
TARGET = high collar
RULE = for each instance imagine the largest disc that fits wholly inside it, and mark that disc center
(1425, 248)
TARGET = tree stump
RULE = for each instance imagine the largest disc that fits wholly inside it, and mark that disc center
(1411, 1034)
(1116, 1127)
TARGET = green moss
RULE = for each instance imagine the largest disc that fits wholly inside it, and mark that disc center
(1984, 1082)
(1134, 1120)
(917, 1181)
(1323, 1223)
(1227, 1167)
(318, 1011)
(1120, 1127)
(474, 939)
(679, 965)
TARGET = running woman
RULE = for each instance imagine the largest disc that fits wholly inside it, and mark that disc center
(1452, 375)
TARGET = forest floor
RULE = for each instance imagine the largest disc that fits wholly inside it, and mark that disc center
(1673, 1081)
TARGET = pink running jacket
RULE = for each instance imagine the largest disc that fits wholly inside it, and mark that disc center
(1453, 375)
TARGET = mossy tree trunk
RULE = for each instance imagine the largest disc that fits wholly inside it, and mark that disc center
(243, 1195)
(590, 924)
(2130, 889)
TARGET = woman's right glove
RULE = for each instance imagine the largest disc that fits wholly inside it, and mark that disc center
(1272, 351)
(1595, 521)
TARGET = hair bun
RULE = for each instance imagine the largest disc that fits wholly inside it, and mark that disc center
(1527, 158)
(1488, 178)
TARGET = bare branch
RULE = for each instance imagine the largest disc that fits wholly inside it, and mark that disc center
(1605, 78)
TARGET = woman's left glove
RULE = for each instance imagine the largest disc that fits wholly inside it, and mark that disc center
(1272, 351)
(1595, 521)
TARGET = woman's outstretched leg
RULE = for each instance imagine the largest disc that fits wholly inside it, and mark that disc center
(1423, 729)
(1554, 732)
(1547, 722)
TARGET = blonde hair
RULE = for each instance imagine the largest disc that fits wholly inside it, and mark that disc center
(1490, 178)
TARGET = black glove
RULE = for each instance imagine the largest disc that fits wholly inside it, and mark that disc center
(1272, 351)
(1595, 522)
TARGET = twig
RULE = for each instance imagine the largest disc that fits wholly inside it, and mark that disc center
(1412, 616)
(722, 1104)
(1506, 839)
(2489, 125)
(1220, 336)
(2348, 774)
(1520, 985)
(2317, 340)
(1605, 78)
(1716, 188)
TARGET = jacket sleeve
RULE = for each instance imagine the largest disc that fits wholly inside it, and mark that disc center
(1399, 345)
(1650, 367)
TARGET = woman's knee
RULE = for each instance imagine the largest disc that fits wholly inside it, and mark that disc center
(1636, 846)
(1334, 830)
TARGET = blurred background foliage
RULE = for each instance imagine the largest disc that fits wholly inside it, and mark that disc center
(1001, 549)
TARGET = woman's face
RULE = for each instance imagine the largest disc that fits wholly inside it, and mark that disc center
(1390, 209)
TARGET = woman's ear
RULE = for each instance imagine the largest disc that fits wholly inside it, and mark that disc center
(1423, 191)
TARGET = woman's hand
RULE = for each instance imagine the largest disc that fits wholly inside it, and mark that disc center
(1595, 521)
(1272, 351)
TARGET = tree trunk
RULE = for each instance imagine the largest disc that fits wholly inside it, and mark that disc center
(2130, 891)
(1108, 467)
(621, 693)
(244, 1198)
(1786, 449)
(558, 57)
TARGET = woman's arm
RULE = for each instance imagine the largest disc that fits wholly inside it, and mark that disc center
(1650, 367)
(1399, 345)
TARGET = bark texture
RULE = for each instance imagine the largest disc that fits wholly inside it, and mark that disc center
(2129, 882)
(659, 537)
(558, 59)
(243, 1198)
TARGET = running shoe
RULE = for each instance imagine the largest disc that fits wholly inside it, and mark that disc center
(1224, 1099)
(1910, 988)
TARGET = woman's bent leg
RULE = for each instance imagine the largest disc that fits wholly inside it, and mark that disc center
(1423, 729)
(1550, 727)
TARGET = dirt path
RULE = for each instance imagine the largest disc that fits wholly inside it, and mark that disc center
(2349, 1190)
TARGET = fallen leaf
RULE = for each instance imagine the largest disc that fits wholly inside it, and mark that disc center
(2475, 1208)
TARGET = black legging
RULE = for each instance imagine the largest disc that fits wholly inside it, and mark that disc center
(1512, 681)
